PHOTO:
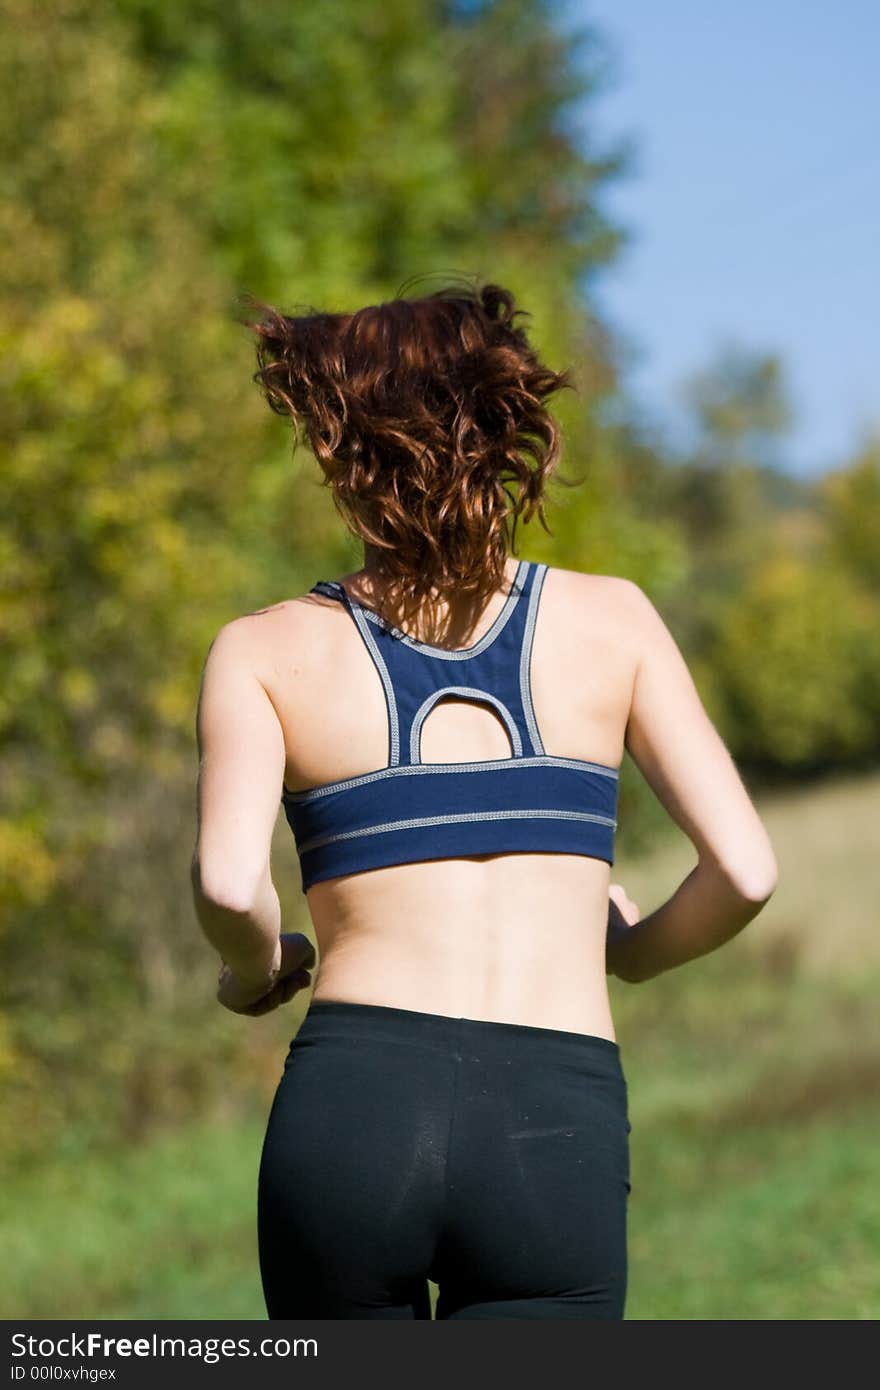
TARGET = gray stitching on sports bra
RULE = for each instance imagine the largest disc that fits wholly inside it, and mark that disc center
(545, 760)
(393, 729)
(428, 704)
(318, 841)
(525, 687)
(485, 641)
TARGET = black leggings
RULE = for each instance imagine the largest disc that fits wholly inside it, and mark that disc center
(491, 1158)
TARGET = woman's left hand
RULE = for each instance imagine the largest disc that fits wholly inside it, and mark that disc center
(297, 956)
(623, 914)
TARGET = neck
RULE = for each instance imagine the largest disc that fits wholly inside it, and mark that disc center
(443, 626)
(372, 557)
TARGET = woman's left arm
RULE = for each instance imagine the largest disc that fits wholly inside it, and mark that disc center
(241, 773)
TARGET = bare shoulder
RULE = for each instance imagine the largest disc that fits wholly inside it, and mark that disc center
(253, 637)
(586, 582)
(619, 601)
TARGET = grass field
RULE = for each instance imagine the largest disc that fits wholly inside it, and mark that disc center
(754, 1102)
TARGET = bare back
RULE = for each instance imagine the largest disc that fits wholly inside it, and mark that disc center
(514, 937)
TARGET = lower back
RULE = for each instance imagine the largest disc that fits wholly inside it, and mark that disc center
(517, 938)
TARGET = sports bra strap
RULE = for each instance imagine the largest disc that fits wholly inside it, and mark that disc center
(494, 671)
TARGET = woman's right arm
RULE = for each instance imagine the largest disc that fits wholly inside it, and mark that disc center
(682, 756)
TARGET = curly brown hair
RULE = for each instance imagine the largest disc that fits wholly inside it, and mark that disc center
(421, 412)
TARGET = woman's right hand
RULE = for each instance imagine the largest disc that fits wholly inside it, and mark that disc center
(296, 959)
(623, 914)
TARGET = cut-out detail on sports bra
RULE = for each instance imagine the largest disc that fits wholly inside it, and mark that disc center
(410, 811)
(473, 719)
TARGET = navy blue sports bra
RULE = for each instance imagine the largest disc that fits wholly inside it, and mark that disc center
(410, 810)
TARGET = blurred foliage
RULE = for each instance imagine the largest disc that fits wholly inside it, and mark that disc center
(740, 403)
(781, 614)
(160, 158)
(850, 501)
(798, 660)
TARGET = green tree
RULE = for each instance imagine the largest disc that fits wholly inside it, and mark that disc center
(740, 403)
(728, 490)
(849, 500)
(797, 660)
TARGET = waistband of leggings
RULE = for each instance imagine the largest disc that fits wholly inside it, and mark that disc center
(443, 1032)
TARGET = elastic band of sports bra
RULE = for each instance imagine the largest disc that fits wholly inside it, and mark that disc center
(407, 769)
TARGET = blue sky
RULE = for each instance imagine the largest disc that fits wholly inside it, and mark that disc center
(754, 203)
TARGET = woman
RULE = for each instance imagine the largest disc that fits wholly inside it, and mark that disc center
(445, 728)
